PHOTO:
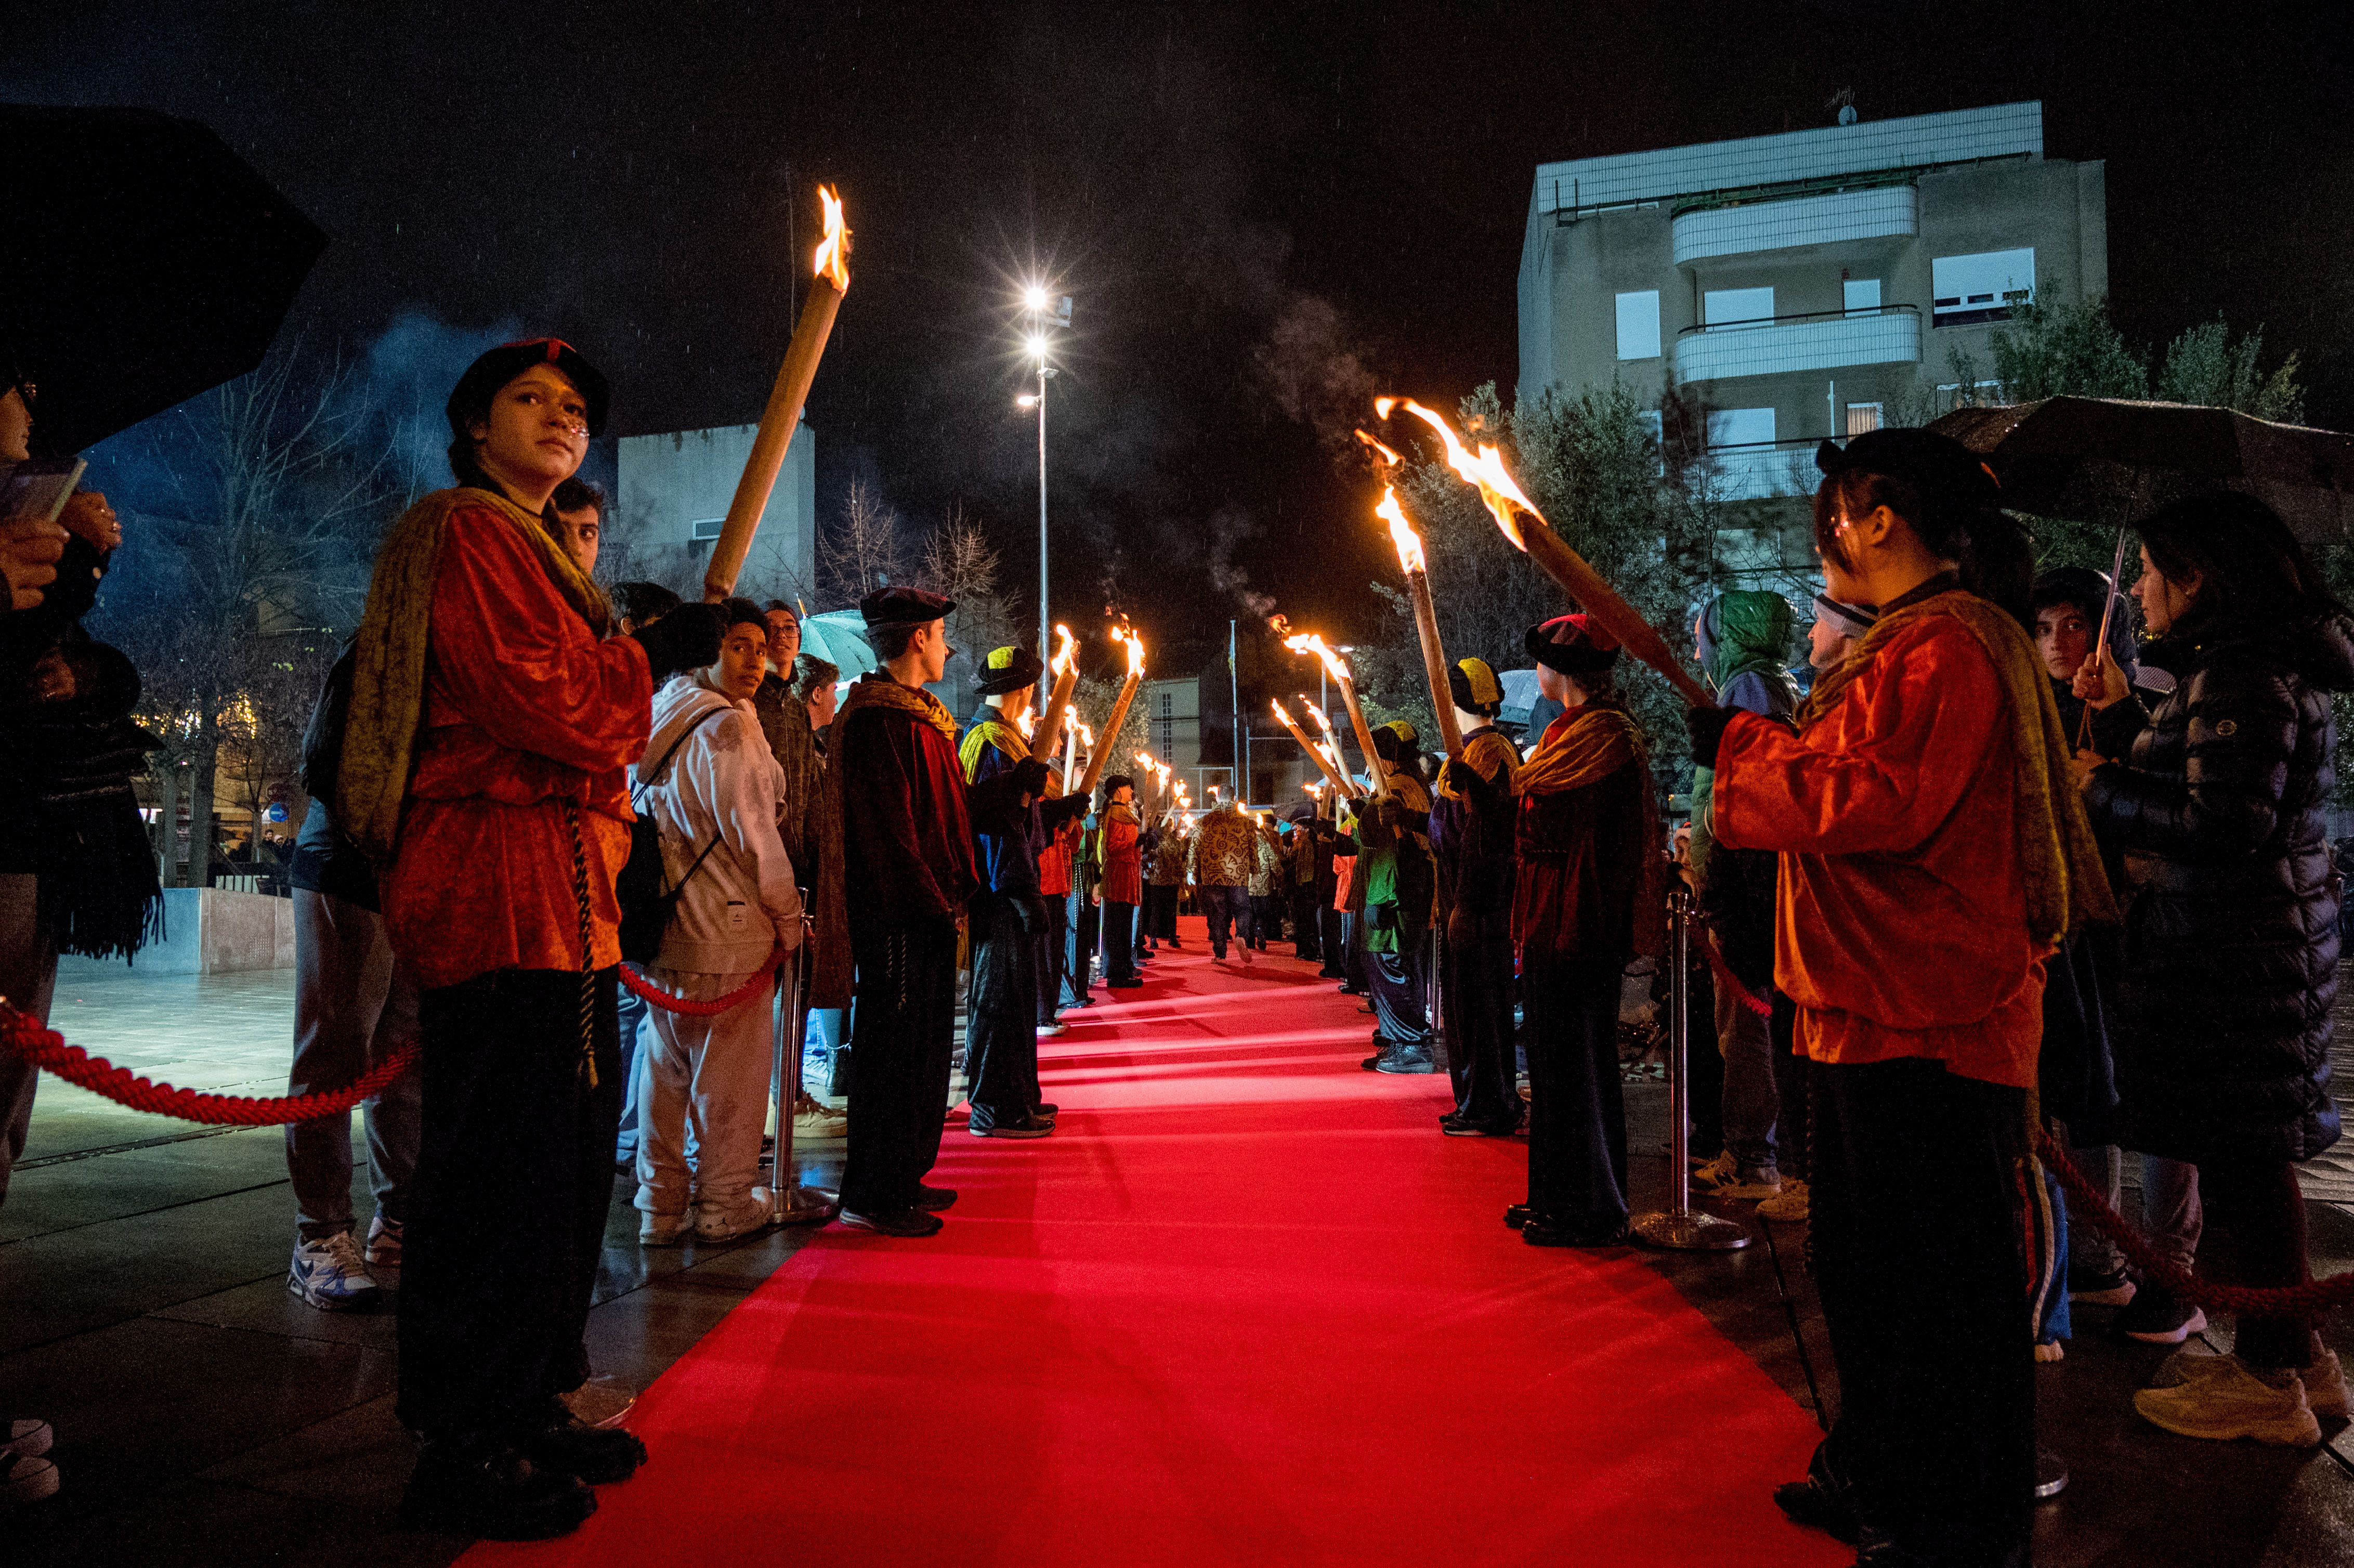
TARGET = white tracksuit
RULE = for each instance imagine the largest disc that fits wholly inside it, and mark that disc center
(703, 1082)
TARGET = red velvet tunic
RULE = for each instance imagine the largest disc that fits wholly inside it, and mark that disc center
(1055, 864)
(1901, 929)
(906, 828)
(525, 709)
(1123, 863)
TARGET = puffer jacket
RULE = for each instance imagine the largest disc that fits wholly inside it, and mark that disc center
(2223, 1031)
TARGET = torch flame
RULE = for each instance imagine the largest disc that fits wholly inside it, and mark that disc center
(1027, 724)
(833, 258)
(1065, 649)
(1135, 649)
(1310, 642)
(1280, 716)
(1389, 459)
(1402, 534)
(1497, 490)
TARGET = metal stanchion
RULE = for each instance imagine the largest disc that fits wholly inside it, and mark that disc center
(793, 1204)
(1682, 1226)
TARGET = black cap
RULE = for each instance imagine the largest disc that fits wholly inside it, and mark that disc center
(1572, 644)
(1008, 670)
(494, 370)
(1117, 781)
(1923, 459)
(902, 607)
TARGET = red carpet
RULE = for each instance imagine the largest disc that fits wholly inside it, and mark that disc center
(1246, 1307)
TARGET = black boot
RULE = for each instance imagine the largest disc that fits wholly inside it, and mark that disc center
(555, 1442)
(486, 1487)
(1822, 1501)
(1411, 1056)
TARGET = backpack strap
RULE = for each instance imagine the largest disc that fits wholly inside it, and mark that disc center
(646, 781)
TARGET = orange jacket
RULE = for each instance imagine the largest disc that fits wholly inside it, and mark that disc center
(1900, 927)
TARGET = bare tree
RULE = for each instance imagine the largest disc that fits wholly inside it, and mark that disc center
(865, 549)
(250, 539)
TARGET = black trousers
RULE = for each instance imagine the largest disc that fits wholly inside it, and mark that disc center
(1330, 937)
(1917, 1254)
(1475, 991)
(1000, 1041)
(507, 1215)
(907, 1028)
(1307, 931)
(1118, 941)
(1051, 944)
(1078, 948)
(1577, 1117)
(1794, 1129)
(1228, 908)
(1160, 912)
(1401, 999)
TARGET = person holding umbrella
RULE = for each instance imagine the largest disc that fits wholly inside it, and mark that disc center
(483, 771)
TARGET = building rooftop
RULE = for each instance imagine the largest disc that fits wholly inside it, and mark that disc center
(1867, 146)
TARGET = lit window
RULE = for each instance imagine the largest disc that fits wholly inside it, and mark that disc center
(1982, 288)
(1863, 417)
(1638, 324)
(1860, 294)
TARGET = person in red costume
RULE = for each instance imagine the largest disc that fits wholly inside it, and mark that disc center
(482, 772)
(1933, 854)
(1120, 847)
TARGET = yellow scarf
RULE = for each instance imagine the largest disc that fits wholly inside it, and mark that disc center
(876, 689)
(2066, 887)
(1596, 742)
(991, 730)
(1484, 753)
(388, 663)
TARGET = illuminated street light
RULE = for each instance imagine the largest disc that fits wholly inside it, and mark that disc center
(1033, 298)
(1044, 310)
(1027, 400)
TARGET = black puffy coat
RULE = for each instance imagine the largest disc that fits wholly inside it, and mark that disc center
(2231, 937)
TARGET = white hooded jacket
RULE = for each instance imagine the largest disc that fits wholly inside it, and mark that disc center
(725, 784)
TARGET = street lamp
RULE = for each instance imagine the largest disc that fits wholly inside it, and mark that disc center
(1044, 310)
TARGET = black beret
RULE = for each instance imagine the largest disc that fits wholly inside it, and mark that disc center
(1008, 670)
(1924, 459)
(1572, 644)
(902, 607)
(1117, 781)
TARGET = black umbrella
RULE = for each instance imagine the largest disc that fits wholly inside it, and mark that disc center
(140, 262)
(2110, 461)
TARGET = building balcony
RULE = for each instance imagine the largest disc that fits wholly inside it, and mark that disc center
(1828, 220)
(1779, 346)
(1755, 471)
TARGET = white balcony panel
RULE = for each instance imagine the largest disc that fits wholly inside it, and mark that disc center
(1810, 343)
(1806, 220)
(1755, 472)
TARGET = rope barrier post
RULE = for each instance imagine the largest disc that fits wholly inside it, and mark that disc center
(793, 1204)
(1681, 1227)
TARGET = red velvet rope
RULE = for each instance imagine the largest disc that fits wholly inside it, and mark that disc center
(46, 1049)
(1727, 981)
(713, 1008)
(2310, 1300)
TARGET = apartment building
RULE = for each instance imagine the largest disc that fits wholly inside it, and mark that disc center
(1809, 284)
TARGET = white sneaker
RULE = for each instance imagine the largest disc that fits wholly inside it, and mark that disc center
(2222, 1397)
(331, 1276)
(663, 1230)
(814, 1119)
(1048, 1031)
(384, 1242)
(2325, 1387)
(1787, 1205)
(24, 1479)
(750, 1213)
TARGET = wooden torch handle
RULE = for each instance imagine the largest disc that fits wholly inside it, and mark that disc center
(1434, 661)
(778, 421)
(1110, 735)
(1602, 601)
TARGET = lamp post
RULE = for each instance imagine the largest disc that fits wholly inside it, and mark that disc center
(1044, 310)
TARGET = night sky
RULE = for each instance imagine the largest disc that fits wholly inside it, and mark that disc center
(1259, 210)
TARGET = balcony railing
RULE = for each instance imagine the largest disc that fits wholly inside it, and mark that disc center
(1777, 345)
(1826, 219)
(1752, 470)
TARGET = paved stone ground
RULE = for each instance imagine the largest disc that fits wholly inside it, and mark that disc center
(207, 1417)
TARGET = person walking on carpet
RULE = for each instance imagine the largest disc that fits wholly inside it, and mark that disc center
(908, 822)
(1934, 855)
(1471, 842)
(482, 769)
(1223, 856)
(1591, 880)
(1008, 911)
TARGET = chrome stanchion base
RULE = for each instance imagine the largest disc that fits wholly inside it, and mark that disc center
(1688, 1230)
(806, 1205)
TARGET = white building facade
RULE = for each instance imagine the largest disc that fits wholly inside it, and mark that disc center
(674, 491)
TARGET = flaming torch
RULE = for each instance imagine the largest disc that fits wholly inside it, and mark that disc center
(1332, 748)
(1304, 744)
(783, 414)
(1120, 706)
(1426, 617)
(1534, 537)
(1335, 666)
(1073, 730)
(1064, 667)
